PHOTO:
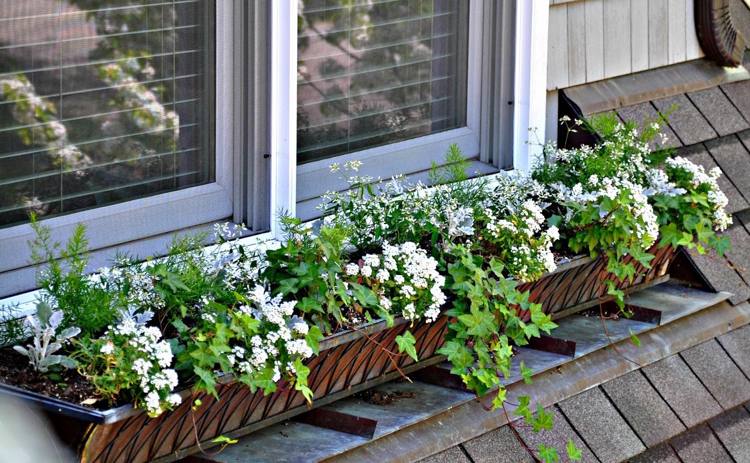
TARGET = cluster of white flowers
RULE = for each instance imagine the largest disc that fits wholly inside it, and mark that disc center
(699, 178)
(521, 228)
(147, 112)
(283, 331)
(157, 380)
(659, 184)
(406, 280)
(37, 114)
(597, 190)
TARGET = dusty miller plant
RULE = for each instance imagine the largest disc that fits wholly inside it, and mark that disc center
(47, 340)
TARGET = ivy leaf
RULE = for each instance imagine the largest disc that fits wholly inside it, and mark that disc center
(499, 399)
(406, 343)
(313, 338)
(300, 384)
(458, 355)
(207, 378)
(180, 326)
(543, 419)
(224, 440)
(634, 339)
(721, 244)
(555, 220)
(541, 320)
(574, 453)
(364, 295)
(526, 373)
(480, 323)
(548, 454)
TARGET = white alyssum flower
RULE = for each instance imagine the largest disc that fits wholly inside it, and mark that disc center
(407, 281)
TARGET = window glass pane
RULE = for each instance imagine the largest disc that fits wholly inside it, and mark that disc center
(101, 101)
(372, 72)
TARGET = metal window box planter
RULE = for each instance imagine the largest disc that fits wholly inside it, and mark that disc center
(348, 362)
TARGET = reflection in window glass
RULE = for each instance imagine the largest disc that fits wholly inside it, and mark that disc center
(101, 101)
(372, 72)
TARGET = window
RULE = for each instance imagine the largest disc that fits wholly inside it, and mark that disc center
(107, 118)
(374, 73)
(393, 83)
(101, 102)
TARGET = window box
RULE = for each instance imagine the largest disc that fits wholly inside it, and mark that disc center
(349, 361)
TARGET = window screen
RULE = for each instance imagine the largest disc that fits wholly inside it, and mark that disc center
(372, 72)
(102, 101)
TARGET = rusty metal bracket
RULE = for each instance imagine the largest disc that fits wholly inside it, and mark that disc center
(338, 421)
(440, 376)
(642, 314)
(554, 345)
(637, 313)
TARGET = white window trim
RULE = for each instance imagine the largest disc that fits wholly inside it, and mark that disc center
(142, 218)
(530, 107)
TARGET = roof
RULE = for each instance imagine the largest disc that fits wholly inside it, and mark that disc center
(689, 407)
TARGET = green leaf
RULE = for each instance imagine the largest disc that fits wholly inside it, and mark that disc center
(499, 399)
(458, 355)
(543, 419)
(526, 373)
(313, 338)
(634, 339)
(180, 326)
(479, 322)
(302, 372)
(207, 378)
(364, 295)
(224, 440)
(548, 454)
(574, 453)
(406, 344)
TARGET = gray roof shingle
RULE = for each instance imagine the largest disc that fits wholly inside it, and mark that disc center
(686, 121)
(737, 345)
(601, 426)
(699, 445)
(733, 430)
(739, 253)
(718, 373)
(451, 455)
(699, 155)
(721, 276)
(498, 446)
(557, 437)
(643, 408)
(739, 95)
(659, 454)
(719, 111)
(682, 390)
(734, 161)
(644, 113)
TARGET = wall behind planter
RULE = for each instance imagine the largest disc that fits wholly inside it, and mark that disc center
(590, 40)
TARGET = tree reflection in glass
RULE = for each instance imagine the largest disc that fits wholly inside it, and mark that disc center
(100, 101)
(376, 72)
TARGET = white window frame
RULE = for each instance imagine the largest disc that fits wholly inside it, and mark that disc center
(140, 220)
